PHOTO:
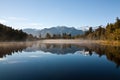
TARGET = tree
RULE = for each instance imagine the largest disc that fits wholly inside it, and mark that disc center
(9, 34)
(90, 30)
(117, 34)
(117, 23)
(48, 36)
(40, 36)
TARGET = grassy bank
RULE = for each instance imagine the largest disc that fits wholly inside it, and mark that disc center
(108, 42)
(65, 41)
(79, 41)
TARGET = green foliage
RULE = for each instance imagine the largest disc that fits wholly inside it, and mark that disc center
(58, 36)
(110, 32)
(9, 34)
(117, 34)
(48, 36)
(66, 36)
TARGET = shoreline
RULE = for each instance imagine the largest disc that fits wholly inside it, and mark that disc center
(108, 42)
(80, 41)
(69, 41)
(64, 41)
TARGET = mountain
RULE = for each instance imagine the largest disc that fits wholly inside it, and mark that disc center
(54, 30)
(34, 32)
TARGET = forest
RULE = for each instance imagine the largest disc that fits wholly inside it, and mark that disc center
(109, 32)
(10, 34)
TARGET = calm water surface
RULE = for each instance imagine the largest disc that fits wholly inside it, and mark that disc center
(37, 61)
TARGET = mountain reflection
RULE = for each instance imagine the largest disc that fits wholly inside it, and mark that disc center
(111, 52)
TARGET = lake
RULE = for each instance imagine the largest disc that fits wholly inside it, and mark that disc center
(44, 61)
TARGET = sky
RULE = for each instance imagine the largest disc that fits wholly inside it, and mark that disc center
(40, 14)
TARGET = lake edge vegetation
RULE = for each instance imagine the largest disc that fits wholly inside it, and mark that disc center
(103, 34)
(9, 34)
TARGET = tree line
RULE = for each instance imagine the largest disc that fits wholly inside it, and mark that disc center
(59, 36)
(10, 34)
(109, 32)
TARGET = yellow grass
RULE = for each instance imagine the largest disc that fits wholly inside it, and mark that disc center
(63, 41)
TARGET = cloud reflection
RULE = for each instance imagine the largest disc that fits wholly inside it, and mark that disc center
(14, 62)
(35, 56)
(3, 59)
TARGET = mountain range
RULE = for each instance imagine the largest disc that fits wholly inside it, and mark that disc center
(53, 30)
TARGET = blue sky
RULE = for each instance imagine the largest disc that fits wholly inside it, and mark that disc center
(48, 13)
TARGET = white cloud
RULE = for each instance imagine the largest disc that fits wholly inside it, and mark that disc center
(17, 18)
(34, 56)
(35, 24)
(3, 21)
(20, 22)
(12, 21)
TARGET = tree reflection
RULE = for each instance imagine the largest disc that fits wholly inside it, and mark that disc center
(58, 48)
(11, 48)
(111, 52)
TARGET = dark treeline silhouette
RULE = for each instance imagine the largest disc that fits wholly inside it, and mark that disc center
(10, 34)
(110, 32)
(59, 36)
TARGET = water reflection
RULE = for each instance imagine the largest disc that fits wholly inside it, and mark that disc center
(112, 53)
(9, 48)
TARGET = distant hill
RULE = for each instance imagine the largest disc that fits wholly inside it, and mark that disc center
(54, 30)
(10, 34)
(34, 32)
